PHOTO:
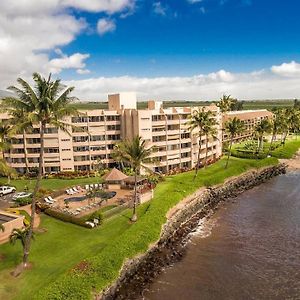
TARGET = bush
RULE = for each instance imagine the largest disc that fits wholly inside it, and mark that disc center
(23, 201)
(65, 217)
(248, 154)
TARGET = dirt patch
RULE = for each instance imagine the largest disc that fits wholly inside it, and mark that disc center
(20, 268)
(82, 267)
(41, 230)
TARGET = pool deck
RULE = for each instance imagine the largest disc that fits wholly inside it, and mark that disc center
(121, 195)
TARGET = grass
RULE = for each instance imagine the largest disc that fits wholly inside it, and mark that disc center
(56, 252)
(286, 151)
(49, 184)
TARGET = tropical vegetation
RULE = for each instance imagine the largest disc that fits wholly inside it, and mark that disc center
(48, 102)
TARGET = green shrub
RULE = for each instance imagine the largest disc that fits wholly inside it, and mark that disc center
(23, 201)
(66, 217)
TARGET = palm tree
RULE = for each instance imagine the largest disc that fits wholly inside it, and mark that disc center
(209, 130)
(21, 235)
(199, 119)
(135, 153)
(233, 127)
(263, 127)
(225, 103)
(275, 128)
(48, 102)
(5, 133)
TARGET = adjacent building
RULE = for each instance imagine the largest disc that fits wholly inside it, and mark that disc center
(94, 133)
(250, 118)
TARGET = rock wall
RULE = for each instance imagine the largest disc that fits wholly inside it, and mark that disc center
(137, 274)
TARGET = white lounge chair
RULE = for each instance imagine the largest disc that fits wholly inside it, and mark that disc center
(96, 185)
(48, 201)
(87, 187)
(75, 190)
(91, 186)
(51, 199)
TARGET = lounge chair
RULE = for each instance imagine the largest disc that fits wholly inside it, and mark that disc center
(96, 185)
(87, 187)
(75, 189)
(91, 186)
(48, 201)
(51, 199)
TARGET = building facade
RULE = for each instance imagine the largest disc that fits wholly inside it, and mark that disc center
(250, 119)
(94, 133)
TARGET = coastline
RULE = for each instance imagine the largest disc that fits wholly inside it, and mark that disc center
(138, 273)
(293, 163)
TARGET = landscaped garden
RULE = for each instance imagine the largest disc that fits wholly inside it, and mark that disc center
(71, 262)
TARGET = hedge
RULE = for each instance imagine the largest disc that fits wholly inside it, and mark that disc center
(65, 217)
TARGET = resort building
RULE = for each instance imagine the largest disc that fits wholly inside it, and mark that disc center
(95, 132)
(250, 118)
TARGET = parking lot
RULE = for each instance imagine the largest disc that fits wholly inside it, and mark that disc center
(6, 201)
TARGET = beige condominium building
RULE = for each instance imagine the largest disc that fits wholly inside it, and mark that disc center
(91, 144)
(250, 118)
(95, 132)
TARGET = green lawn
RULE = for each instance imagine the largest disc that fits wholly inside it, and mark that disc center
(49, 184)
(63, 246)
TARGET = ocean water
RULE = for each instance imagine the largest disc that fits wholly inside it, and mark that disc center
(249, 249)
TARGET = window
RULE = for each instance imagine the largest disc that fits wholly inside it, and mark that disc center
(65, 140)
(51, 150)
(51, 130)
(112, 118)
(96, 118)
(65, 149)
(113, 127)
(97, 138)
(80, 139)
(79, 119)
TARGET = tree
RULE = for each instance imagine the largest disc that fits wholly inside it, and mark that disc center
(199, 119)
(209, 130)
(20, 235)
(225, 103)
(275, 128)
(261, 128)
(48, 102)
(135, 153)
(233, 127)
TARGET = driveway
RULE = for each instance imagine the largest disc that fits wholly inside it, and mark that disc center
(6, 201)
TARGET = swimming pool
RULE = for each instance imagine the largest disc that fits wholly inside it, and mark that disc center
(106, 196)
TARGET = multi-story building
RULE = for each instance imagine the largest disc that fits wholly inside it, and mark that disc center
(94, 133)
(250, 118)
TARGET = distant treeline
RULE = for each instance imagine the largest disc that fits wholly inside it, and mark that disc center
(243, 104)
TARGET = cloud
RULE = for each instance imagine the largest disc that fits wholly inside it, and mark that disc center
(83, 71)
(261, 84)
(159, 9)
(290, 69)
(105, 25)
(31, 30)
(109, 6)
(74, 61)
(194, 1)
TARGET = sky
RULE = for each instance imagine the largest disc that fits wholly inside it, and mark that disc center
(164, 50)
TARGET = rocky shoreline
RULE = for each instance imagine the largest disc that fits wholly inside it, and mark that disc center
(138, 273)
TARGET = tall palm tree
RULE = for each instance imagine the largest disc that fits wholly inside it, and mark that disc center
(48, 102)
(261, 128)
(233, 127)
(209, 131)
(21, 123)
(135, 153)
(225, 103)
(5, 134)
(20, 235)
(198, 120)
(275, 129)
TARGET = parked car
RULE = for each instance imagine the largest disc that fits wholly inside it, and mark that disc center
(4, 190)
(21, 195)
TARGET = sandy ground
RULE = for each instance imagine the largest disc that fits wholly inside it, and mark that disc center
(293, 163)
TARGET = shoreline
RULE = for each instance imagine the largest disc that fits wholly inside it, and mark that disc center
(137, 274)
(293, 163)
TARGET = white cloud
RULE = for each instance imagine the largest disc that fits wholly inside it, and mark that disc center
(194, 1)
(30, 30)
(105, 25)
(290, 69)
(74, 61)
(159, 9)
(255, 85)
(83, 71)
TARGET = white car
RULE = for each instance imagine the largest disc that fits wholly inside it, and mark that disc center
(4, 190)
(21, 195)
